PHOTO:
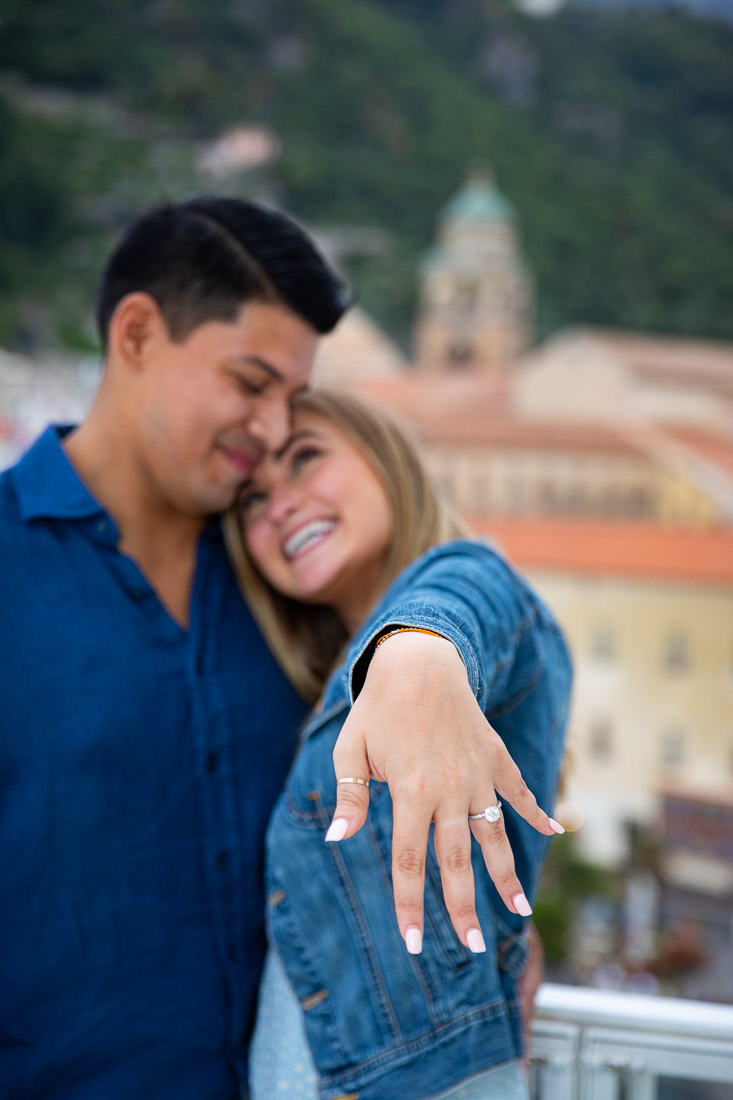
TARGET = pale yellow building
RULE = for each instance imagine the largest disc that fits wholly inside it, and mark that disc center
(648, 611)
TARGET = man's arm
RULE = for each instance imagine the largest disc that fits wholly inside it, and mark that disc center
(418, 726)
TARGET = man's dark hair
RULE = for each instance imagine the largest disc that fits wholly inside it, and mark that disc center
(203, 258)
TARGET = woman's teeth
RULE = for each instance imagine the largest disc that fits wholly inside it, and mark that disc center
(307, 535)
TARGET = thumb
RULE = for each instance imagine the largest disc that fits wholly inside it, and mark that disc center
(352, 788)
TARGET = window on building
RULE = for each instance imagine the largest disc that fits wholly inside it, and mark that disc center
(576, 500)
(464, 296)
(677, 651)
(610, 501)
(514, 494)
(601, 739)
(638, 503)
(603, 642)
(481, 492)
(673, 747)
(547, 495)
(459, 355)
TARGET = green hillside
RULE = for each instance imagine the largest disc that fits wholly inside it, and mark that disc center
(610, 133)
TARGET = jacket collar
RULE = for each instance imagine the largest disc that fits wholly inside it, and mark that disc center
(48, 485)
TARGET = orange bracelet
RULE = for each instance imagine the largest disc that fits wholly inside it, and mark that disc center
(402, 629)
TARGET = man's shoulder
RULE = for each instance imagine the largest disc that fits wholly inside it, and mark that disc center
(9, 510)
(16, 534)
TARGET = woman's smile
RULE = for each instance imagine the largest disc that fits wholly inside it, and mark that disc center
(307, 537)
(317, 521)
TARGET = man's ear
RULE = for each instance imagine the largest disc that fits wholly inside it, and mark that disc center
(136, 325)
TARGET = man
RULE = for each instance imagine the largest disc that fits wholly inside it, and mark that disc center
(146, 729)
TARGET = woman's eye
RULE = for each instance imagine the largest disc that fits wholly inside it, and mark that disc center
(249, 500)
(302, 457)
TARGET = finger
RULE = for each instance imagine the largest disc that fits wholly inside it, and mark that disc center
(352, 798)
(453, 849)
(499, 861)
(409, 849)
(510, 784)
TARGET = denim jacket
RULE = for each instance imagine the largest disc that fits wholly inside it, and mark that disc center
(383, 1024)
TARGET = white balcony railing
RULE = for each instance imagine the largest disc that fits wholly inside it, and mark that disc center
(591, 1044)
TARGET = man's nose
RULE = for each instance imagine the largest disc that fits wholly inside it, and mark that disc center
(270, 424)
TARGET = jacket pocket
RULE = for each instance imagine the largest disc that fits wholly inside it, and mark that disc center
(290, 932)
(329, 917)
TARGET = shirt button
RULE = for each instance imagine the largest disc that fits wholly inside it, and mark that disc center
(222, 861)
(138, 594)
(212, 761)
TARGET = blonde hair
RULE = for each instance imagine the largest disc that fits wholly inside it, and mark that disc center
(307, 639)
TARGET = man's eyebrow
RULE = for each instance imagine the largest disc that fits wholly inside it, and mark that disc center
(255, 361)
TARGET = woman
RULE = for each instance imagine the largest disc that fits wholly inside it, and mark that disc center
(345, 544)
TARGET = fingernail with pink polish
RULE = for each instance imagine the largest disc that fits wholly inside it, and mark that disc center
(522, 906)
(475, 941)
(337, 829)
(556, 825)
(413, 940)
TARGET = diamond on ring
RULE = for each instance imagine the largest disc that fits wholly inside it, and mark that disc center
(491, 814)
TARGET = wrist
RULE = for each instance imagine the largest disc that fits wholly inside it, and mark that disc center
(409, 652)
(406, 630)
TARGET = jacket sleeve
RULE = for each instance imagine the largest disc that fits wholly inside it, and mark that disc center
(466, 592)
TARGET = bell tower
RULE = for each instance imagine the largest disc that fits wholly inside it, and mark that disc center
(476, 296)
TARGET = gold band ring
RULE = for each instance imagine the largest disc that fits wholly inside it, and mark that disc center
(353, 779)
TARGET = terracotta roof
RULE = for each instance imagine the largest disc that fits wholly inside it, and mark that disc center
(536, 435)
(473, 411)
(435, 396)
(614, 548)
(443, 408)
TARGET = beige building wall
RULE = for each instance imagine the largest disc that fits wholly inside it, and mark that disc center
(574, 379)
(682, 404)
(355, 350)
(523, 481)
(591, 375)
(653, 701)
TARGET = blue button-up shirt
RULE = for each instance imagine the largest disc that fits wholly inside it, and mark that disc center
(138, 766)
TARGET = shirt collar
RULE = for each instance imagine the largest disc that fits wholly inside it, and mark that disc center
(48, 485)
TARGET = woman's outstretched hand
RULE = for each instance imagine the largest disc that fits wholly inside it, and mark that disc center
(417, 726)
